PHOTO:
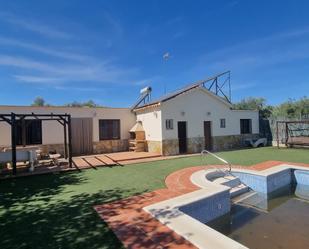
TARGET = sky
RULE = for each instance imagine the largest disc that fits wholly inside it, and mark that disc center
(107, 51)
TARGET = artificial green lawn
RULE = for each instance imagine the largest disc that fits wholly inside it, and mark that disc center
(55, 211)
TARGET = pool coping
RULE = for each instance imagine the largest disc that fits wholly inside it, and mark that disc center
(136, 228)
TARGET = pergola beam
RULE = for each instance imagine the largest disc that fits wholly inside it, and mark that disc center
(5, 119)
(295, 122)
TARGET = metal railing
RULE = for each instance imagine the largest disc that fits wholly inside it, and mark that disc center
(204, 152)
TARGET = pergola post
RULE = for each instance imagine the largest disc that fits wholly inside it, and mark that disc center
(70, 141)
(13, 141)
(286, 134)
(65, 140)
(277, 133)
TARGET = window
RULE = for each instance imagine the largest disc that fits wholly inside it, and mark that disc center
(29, 132)
(222, 123)
(109, 129)
(169, 124)
(245, 126)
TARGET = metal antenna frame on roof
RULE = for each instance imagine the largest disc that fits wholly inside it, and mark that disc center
(217, 88)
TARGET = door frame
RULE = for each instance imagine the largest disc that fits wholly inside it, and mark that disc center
(208, 145)
(185, 142)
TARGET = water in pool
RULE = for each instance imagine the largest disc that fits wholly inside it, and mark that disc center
(280, 221)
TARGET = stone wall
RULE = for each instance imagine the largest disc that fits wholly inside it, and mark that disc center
(166, 147)
(104, 146)
(46, 148)
(231, 141)
(108, 146)
(170, 147)
(154, 146)
(197, 144)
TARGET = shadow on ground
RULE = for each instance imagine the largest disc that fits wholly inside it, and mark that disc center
(33, 216)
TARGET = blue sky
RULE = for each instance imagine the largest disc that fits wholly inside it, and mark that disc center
(108, 50)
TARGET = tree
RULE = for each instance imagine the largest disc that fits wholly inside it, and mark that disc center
(89, 103)
(292, 108)
(38, 101)
(252, 103)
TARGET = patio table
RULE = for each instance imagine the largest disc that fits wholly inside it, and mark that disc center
(55, 158)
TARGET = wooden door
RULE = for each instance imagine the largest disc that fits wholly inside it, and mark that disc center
(207, 135)
(82, 136)
(182, 137)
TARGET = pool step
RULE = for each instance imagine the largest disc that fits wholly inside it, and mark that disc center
(252, 199)
(244, 196)
(238, 190)
(228, 180)
(236, 187)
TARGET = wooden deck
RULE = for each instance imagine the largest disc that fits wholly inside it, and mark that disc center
(85, 162)
(111, 159)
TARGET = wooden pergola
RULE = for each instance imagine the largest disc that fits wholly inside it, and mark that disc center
(63, 119)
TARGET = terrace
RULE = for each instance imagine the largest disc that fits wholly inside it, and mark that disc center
(80, 163)
(57, 210)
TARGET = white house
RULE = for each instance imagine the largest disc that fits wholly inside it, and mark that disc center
(185, 121)
(94, 130)
(192, 119)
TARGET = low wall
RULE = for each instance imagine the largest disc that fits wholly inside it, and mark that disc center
(209, 208)
(274, 181)
(279, 180)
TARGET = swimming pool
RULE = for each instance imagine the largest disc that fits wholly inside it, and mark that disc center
(266, 209)
(279, 221)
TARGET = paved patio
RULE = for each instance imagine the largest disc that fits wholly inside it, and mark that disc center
(138, 229)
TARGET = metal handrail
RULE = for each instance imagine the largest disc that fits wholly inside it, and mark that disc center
(203, 152)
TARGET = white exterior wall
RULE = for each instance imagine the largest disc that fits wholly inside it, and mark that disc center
(52, 131)
(152, 123)
(196, 105)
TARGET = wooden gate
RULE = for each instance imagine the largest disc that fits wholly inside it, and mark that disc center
(82, 136)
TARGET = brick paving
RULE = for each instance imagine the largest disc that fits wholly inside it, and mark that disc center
(137, 229)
